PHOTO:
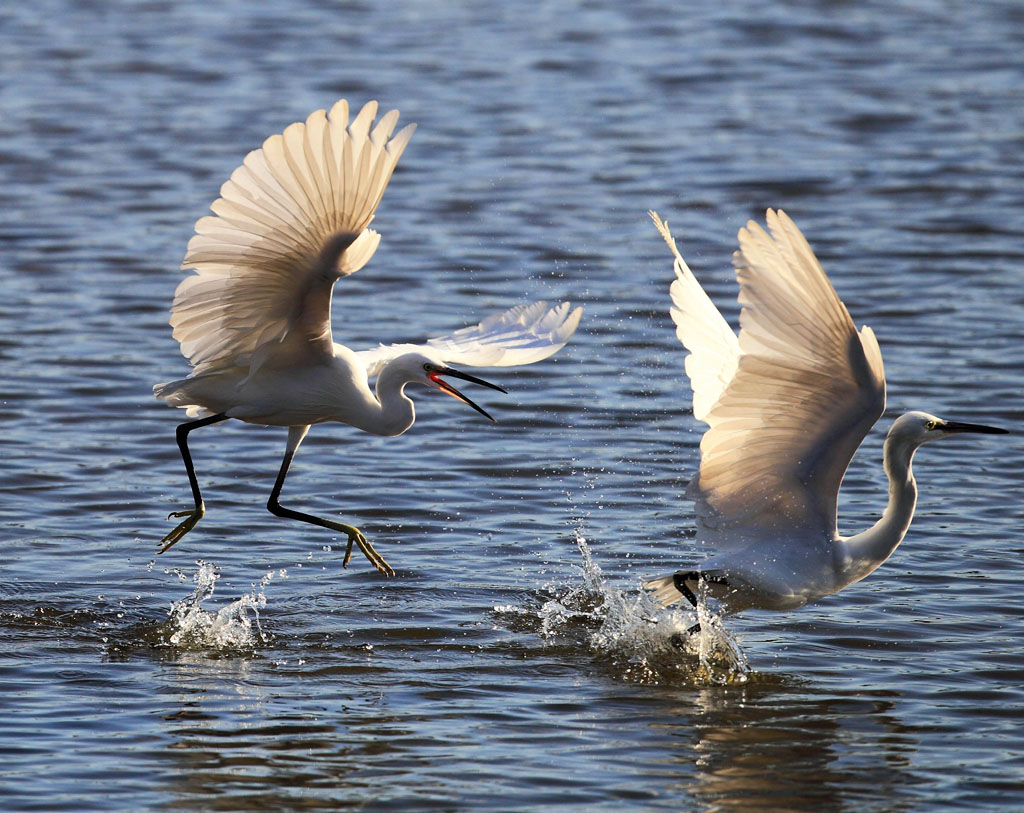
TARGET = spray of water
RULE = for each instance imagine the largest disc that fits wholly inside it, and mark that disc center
(235, 626)
(642, 641)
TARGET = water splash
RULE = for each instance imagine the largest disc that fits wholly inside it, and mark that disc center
(643, 641)
(235, 626)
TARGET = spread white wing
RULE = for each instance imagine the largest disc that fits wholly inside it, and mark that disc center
(714, 349)
(521, 335)
(787, 403)
(291, 220)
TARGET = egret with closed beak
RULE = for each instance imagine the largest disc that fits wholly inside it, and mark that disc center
(787, 403)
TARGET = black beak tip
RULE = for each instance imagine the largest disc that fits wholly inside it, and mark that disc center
(975, 428)
(481, 410)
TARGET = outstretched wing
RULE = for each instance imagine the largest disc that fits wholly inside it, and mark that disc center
(521, 335)
(805, 389)
(290, 221)
(714, 350)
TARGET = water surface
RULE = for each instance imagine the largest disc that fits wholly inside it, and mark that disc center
(511, 663)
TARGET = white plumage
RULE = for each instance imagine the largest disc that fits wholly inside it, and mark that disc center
(259, 274)
(254, 320)
(521, 335)
(787, 403)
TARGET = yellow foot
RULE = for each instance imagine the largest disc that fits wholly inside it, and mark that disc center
(192, 517)
(356, 537)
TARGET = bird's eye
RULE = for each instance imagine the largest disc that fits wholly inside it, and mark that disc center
(428, 368)
(930, 425)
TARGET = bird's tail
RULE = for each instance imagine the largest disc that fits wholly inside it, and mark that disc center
(178, 394)
(664, 590)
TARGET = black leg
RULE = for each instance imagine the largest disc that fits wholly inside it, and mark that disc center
(196, 514)
(680, 581)
(354, 534)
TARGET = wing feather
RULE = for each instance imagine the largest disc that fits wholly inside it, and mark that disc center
(289, 222)
(714, 350)
(805, 389)
(521, 335)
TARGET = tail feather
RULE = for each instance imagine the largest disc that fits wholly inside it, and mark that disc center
(664, 590)
(177, 394)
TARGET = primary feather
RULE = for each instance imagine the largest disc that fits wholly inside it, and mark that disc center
(521, 335)
(714, 350)
(291, 220)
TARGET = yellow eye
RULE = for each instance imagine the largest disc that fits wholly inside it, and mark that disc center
(929, 425)
(428, 368)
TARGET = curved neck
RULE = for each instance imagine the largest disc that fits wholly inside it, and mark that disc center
(867, 550)
(395, 411)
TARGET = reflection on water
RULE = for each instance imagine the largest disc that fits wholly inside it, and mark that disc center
(770, 745)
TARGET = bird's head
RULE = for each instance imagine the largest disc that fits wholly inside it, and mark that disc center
(917, 428)
(422, 368)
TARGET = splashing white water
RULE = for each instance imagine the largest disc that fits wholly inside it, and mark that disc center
(235, 626)
(650, 643)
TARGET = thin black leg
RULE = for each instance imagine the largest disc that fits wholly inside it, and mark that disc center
(196, 514)
(354, 534)
(680, 579)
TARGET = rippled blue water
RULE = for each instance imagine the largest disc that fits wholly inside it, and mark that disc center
(501, 668)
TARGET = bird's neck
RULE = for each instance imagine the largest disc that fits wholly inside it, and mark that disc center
(396, 412)
(867, 550)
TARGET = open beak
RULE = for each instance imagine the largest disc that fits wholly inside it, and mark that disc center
(444, 386)
(955, 426)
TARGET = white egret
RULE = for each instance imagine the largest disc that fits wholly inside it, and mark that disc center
(788, 402)
(254, 320)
